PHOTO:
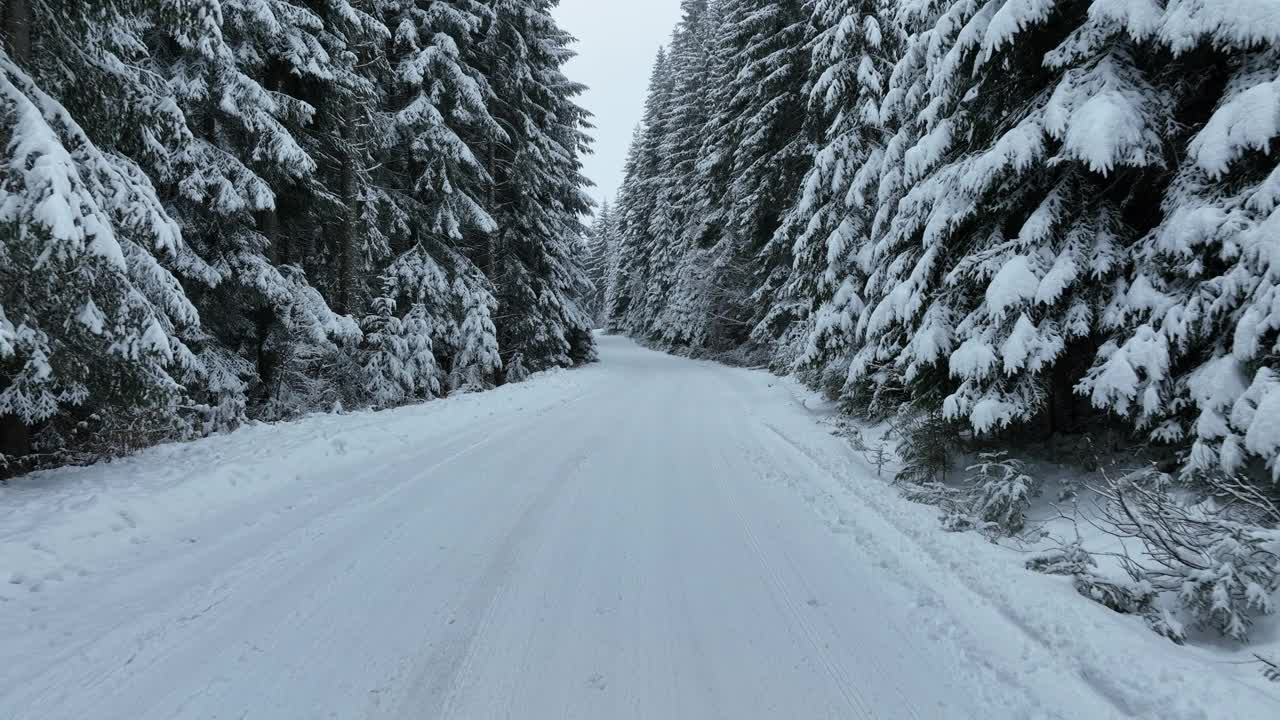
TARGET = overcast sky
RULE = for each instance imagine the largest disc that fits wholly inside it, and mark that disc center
(617, 41)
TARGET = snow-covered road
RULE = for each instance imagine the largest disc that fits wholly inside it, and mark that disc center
(650, 537)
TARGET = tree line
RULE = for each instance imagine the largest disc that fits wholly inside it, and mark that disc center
(991, 222)
(220, 210)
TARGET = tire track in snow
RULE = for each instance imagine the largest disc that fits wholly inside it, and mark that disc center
(840, 676)
(444, 676)
(264, 554)
(1118, 706)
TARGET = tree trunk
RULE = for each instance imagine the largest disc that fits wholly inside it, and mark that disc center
(15, 436)
(347, 230)
(491, 266)
(269, 220)
(269, 226)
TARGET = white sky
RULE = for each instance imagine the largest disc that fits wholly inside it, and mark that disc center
(617, 41)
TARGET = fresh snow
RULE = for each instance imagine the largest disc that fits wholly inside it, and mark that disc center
(649, 537)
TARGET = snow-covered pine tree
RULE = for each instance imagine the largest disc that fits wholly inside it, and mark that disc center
(232, 66)
(693, 165)
(770, 162)
(1193, 353)
(93, 322)
(442, 128)
(1073, 226)
(444, 120)
(1000, 252)
(396, 354)
(627, 261)
(715, 165)
(477, 336)
(434, 329)
(750, 163)
(601, 258)
(539, 195)
(335, 217)
(713, 172)
(676, 288)
(830, 224)
(637, 205)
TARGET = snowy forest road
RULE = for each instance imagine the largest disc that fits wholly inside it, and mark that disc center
(649, 537)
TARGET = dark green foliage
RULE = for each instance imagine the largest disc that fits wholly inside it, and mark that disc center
(925, 447)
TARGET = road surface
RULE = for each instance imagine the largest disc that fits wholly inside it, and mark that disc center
(650, 537)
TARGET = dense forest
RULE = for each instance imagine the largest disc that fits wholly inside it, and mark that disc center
(220, 210)
(988, 222)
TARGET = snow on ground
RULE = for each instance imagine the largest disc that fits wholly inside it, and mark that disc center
(649, 537)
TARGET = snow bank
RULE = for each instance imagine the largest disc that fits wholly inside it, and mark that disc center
(962, 578)
(61, 524)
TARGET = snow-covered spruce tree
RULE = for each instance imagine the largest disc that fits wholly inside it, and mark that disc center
(751, 163)
(831, 222)
(440, 123)
(445, 331)
(771, 161)
(601, 253)
(713, 168)
(697, 76)
(233, 67)
(696, 259)
(637, 203)
(476, 336)
(338, 222)
(998, 494)
(538, 197)
(1020, 219)
(94, 323)
(1015, 208)
(677, 287)
(396, 354)
(1193, 353)
(926, 441)
(340, 225)
(611, 270)
(627, 264)
(444, 119)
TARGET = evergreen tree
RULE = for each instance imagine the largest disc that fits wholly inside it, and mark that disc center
(1192, 352)
(443, 127)
(712, 173)
(830, 224)
(601, 260)
(539, 192)
(232, 67)
(770, 159)
(202, 195)
(627, 266)
(637, 201)
(340, 234)
(677, 292)
(95, 325)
